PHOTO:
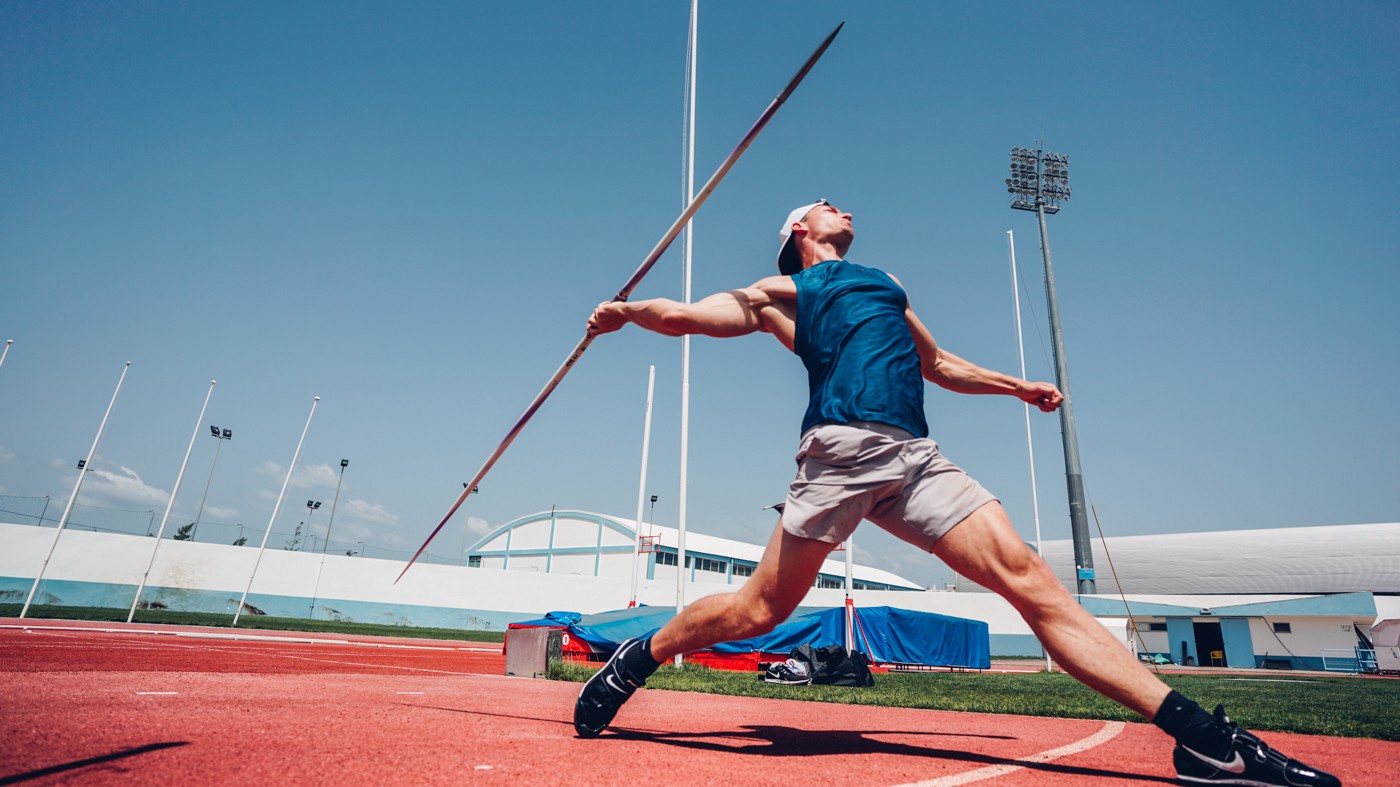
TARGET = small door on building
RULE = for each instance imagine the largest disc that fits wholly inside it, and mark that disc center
(1210, 644)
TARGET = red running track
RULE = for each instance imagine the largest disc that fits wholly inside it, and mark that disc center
(111, 704)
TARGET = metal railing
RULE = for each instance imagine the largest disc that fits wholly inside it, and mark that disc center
(1355, 661)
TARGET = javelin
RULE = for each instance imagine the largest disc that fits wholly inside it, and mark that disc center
(631, 284)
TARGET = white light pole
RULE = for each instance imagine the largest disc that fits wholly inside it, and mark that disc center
(1030, 448)
(642, 486)
(689, 189)
(6, 351)
(275, 508)
(83, 468)
(170, 504)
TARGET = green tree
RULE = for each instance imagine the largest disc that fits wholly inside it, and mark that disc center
(241, 541)
(294, 543)
(185, 533)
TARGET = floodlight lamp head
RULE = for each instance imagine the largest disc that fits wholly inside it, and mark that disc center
(345, 463)
(228, 434)
(214, 430)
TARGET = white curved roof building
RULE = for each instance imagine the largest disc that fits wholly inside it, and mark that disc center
(599, 545)
(1290, 560)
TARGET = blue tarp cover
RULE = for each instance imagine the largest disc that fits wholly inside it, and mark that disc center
(886, 634)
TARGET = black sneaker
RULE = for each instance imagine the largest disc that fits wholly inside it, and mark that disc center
(1249, 761)
(788, 673)
(609, 687)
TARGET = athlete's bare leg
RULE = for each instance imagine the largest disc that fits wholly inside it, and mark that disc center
(784, 575)
(985, 548)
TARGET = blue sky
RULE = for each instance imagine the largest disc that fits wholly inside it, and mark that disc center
(410, 209)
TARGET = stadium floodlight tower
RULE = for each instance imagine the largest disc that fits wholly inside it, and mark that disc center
(221, 435)
(1039, 182)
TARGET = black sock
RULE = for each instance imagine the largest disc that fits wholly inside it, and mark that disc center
(640, 661)
(1191, 726)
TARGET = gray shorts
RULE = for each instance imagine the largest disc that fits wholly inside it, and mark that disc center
(850, 472)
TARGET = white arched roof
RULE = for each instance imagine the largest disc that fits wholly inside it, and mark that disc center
(695, 543)
(1324, 559)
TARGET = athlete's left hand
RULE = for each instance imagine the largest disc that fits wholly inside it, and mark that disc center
(1043, 395)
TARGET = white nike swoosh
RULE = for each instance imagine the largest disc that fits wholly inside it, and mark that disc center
(612, 681)
(1235, 765)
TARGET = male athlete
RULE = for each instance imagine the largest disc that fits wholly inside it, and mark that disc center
(865, 454)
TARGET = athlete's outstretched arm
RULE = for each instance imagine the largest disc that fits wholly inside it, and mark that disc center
(733, 313)
(963, 376)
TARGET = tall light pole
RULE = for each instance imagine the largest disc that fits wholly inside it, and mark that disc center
(344, 463)
(221, 435)
(1039, 182)
(312, 506)
(466, 529)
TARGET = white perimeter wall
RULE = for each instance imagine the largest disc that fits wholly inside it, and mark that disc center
(115, 559)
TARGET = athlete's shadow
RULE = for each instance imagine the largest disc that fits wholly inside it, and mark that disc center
(775, 741)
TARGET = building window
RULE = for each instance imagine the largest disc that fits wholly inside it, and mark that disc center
(741, 570)
(666, 558)
(706, 564)
(1283, 628)
(830, 582)
(1156, 627)
(473, 561)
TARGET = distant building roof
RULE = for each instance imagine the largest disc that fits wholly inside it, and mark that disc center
(1291, 560)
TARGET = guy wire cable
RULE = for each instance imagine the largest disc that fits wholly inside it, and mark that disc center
(1131, 620)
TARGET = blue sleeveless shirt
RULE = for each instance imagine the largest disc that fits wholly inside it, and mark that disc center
(862, 363)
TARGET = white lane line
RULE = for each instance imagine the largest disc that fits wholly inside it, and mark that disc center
(28, 629)
(235, 651)
(1110, 730)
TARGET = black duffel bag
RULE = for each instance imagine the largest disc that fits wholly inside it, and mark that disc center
(831, 665)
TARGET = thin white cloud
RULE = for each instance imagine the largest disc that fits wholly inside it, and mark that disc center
(478, 526)
(317, 476)
(370, 513)
(220, 513)
(269, 468)
(123, 488)
(7, 457)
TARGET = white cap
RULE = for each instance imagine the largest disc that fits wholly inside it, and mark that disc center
(789, 261)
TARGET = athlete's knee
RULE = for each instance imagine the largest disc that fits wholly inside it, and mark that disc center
(759, 616)
(1026, 576)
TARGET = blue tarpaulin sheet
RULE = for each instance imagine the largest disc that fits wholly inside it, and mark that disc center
(887, 634)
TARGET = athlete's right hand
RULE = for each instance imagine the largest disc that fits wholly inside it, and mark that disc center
(608, 317)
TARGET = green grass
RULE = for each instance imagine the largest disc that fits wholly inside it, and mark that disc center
(1346, 707)
(248, 622)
